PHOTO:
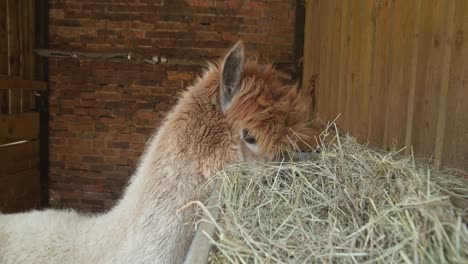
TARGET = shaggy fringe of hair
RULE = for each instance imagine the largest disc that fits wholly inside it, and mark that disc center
(274, 113)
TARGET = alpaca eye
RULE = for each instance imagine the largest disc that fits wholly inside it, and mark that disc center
(247, 137)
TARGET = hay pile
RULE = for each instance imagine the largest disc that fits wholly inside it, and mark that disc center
(350, 204)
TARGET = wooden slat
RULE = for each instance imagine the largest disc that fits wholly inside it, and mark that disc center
(364, 70)
(311, 43)
(13, 38)
(331, 52)
(3, 101)
(344, 60)
(19, 127)
(412, 79)
(455, 148)
(40, 33)
(31, 59)
(353, 78)
(22, 34)
(444, 81)
(335, 57)
(401, 44)
(379, 80)
(14, 101)
(323, 87)
(7, 82)
(3, 38)
(428, 77)
(26, 24)
(20, 191)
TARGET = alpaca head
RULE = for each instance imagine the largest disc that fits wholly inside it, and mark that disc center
(266, 115)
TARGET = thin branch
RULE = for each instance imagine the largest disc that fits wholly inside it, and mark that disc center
(123, 56)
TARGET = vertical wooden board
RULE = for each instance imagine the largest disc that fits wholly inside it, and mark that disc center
(26, 14)
(325, 50)
(3, 102)
(400, 75)
(349, 75)
(40, 23)
(343, 60)
(32, 39)
(21, 20)
(455, 150)
(323, 59)
(335, 47)
(14, 101)
(428, 77)
(361, 99)
(14, 39)
(380, 74)
(3, 38)
(353, 78)
(412, 78)
(444, 80)
(311, 42)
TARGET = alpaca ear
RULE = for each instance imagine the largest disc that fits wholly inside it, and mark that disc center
(231, 72)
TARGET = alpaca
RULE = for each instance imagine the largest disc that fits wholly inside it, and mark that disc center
(237, 111)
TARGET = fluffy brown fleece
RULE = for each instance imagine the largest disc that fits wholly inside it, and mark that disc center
(201, 135)
(272, 111)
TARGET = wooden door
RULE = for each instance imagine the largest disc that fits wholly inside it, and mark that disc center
(20, 170)
(20, 184)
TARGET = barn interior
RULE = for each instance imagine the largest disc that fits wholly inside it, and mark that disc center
(84, 84)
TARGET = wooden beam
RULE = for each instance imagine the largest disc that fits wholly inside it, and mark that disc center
(7, 82)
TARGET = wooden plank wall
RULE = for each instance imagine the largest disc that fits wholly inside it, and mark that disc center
(396, 71)
(17, 38)
(19, 119)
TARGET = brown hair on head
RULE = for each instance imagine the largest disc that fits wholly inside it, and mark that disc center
(273, 112)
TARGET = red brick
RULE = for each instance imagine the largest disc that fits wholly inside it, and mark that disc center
(142, 25)
(69, 32)
(112, 120)
(102, 112)
(55, 13)
(117, 24)
(168, 26)
(108, 96)
(176, 75)
(147, 115)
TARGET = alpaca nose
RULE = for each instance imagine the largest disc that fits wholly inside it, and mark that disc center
(304, 156)
(298, 156)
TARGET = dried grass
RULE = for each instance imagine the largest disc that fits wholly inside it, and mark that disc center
(349, 204)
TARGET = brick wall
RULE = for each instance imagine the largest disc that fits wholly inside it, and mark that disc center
(103, 111)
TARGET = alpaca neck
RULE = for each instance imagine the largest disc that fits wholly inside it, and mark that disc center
(160, 184)
(148, 213)
(190, 146)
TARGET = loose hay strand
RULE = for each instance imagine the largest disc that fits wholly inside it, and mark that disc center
(349, 204)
